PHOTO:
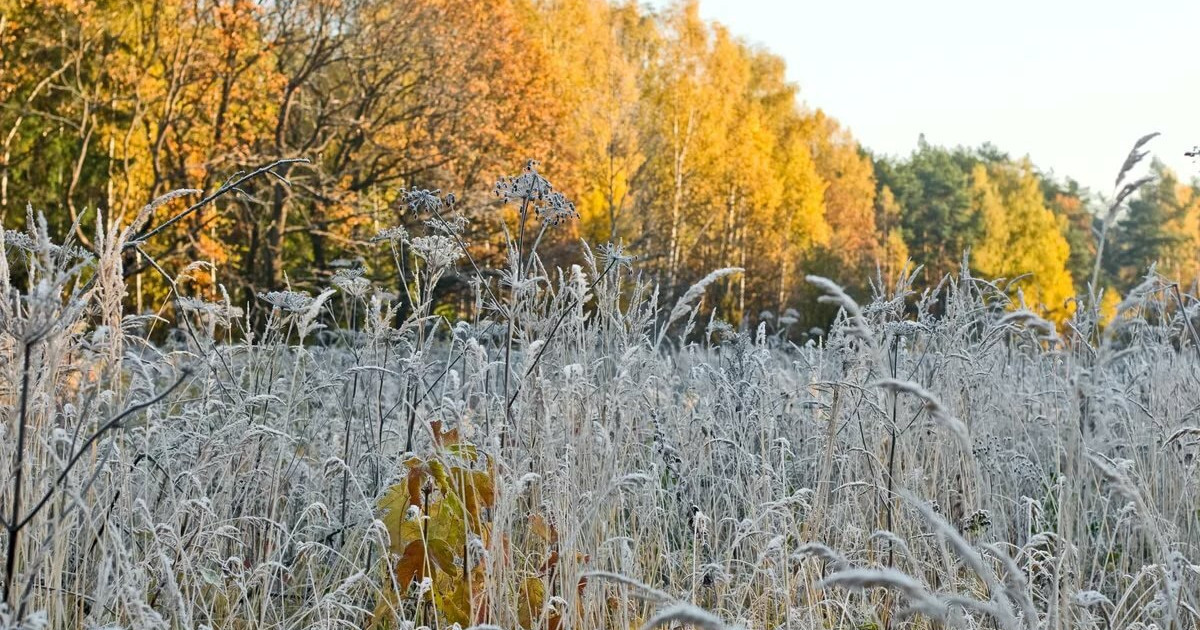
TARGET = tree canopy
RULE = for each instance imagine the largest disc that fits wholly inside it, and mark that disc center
(672, 135)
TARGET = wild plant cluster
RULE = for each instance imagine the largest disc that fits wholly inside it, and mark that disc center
(582, 454)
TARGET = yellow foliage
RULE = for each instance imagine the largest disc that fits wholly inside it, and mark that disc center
(431, 519)
(1022, 236)
(1108, 305)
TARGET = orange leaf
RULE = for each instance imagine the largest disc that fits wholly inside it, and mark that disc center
(550, 564)
(449, 438)
(412, 564)
(455, 606)
(414, 488)
(477, 489)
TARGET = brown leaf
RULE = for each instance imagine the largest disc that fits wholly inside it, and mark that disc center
(550, 564)
(411, 565)
(414, 487)
(542, 529)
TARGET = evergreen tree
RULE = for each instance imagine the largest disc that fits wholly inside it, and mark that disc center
(1154, 230)
(932, 188)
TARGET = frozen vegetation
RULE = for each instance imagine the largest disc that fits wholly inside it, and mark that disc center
(582, 453)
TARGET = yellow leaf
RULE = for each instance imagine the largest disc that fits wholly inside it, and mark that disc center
(443, 555)
(455, 606)
(477, 490)
(394, 507)
(532, 597)
(385, 609)
(438, 471)
(446, 522)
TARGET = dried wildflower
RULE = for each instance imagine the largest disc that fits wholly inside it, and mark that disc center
(222, 312)
(351, 282)
(527, 187)
(41, 311)
(456, 224)
(713, 574)
(20, 240)
(29, 245)
(975, 522)
(724, 332)
(556, 209)
(392, 235)
(421, 200)
(290, 301)
(613, 255)
(439, 252)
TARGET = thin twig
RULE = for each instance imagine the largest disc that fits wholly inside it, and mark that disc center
(561, 318)
(1184, 314)
(231, 186)
(14, 528)
(109, 425)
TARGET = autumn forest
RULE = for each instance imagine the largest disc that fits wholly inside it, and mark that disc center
(669, 134)
(579, 315)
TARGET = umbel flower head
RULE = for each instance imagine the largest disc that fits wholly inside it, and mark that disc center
(351, 282)
(422, 200)
(613, 255)
(222, 313)
(391, 235)
(556, 209)
(439, 252)
(290, 301)
(552, 207)
(527, 187)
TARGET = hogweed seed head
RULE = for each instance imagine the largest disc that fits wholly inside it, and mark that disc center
(421, 200)
(351, 282)
(528, 187)
(556, 209)
(613, 255)
(392, 235)
(289, 301)
(221, 312)
(439, 252)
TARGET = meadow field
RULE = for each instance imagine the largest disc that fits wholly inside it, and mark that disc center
(296, 333)
(579, 453)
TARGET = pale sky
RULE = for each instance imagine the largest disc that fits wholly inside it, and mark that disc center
(1071, 83)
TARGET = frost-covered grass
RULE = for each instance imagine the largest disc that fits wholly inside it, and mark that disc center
(937, 459)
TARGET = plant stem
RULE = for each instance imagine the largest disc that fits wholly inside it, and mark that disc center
(15, 525)
(561, 318)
